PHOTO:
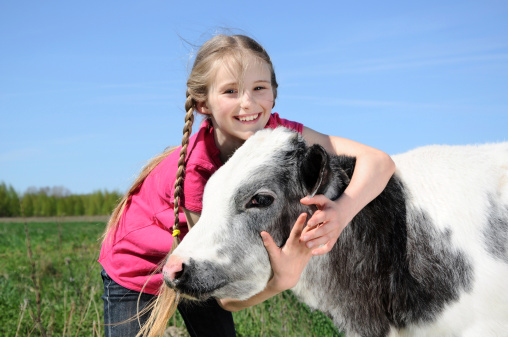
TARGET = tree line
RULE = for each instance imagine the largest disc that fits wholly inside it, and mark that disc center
(56, 201)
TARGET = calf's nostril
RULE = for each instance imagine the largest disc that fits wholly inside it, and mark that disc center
(177, 275)
(171, 269)
(174, 273)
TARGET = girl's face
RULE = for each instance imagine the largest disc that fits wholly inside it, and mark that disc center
(237, 109)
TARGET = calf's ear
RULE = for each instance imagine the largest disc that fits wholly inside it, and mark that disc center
(315, 170)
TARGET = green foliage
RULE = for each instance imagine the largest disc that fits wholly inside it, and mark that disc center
(68, 280)
(283, 316)
(55, 202)
(9, 201)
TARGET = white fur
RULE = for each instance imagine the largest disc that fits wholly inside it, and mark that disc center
(466, 175)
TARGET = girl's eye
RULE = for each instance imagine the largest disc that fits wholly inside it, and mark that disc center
(260, 200)
(230, 91)
(259, 88)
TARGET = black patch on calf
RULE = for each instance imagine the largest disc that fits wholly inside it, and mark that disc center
(495, 234)
(391, 266)
(434, 275)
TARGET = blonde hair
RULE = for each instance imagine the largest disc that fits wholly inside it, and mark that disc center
(221, 50)
(218, 50)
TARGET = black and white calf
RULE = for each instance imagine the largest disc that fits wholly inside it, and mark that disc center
(427, 257)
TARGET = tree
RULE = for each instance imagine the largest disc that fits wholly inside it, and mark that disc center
(4, 200)
(14, 201)
(9, 201)
(79, 207)
(55, 201)
(27, 203)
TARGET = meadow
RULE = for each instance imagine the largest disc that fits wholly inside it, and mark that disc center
(50, 285)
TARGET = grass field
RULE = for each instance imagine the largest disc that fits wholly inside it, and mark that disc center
(51, 286)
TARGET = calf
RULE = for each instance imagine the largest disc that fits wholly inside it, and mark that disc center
(427, 257)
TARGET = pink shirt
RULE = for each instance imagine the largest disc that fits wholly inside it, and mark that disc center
(143, 237)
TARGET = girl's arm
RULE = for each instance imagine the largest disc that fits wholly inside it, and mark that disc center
(192, 218)
(372, 171)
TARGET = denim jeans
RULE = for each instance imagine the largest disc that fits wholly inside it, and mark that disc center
(205, 319)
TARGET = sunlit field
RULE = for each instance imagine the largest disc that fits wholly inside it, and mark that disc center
(51, 286)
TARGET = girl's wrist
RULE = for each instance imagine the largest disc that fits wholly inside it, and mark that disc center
(278, 285)
(346, 208)
(273, 287)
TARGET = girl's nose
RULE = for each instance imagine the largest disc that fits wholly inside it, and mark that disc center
(247, 100)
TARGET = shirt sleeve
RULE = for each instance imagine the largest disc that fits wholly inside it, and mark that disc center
(196, 177)
(194, 185)
(276, 121)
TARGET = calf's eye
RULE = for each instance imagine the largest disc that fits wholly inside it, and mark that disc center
(260, 200)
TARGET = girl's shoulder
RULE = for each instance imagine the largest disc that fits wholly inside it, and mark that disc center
(275, 121)
(201, 163)
(201, 150)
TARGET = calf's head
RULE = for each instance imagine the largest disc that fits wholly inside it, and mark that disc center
(258, 189)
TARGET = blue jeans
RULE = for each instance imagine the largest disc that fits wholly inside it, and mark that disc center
(206, 319)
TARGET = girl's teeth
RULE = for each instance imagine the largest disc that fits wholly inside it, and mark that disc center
(248, 118)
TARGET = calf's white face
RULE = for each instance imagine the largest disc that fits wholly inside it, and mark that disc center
(223, 255)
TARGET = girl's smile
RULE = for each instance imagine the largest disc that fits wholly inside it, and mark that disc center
(248, 118)
(239, 102)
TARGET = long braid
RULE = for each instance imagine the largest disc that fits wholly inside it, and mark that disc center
(166, 302)
(187, 130)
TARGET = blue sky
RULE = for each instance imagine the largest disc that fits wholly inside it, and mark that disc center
(91, 90)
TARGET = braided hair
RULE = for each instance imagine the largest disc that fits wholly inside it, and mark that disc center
(187, 130)
(216, 51)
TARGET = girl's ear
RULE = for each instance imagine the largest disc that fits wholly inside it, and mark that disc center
(202, 107)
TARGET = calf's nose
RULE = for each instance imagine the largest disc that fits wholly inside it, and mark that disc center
(172, 270)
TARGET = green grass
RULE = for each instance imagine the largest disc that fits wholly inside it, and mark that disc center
(65, 298)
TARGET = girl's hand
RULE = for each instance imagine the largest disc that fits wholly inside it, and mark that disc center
(288, 261)
(325, 225)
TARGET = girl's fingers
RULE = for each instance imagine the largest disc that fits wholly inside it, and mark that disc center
(318, 241)
(305, 230)
(270, 245)
(315, 232)
(296, 232)
(317, 218)
(294, 237)
(322, 215)
(318, 200)
(323, 249)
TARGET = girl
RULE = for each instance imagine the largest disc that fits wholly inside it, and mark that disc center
(233, 85)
